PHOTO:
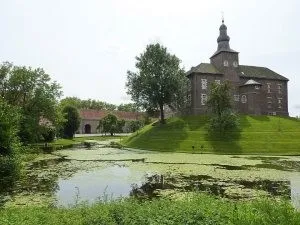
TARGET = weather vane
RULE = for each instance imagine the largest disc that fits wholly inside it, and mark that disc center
(222, 17)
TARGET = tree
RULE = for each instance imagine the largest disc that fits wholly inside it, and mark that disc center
(33, 92)
(111, 124)
(9, 127)
(129, 107)
(87, 104)
(72, 121)
(159, 80)
(134, 125)
(219, 101)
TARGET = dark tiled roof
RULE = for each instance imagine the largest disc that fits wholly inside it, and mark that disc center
(204, 68)
(259, 72)
(90, 114)
(223, 50)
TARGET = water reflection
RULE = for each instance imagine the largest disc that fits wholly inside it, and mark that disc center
(295, 191)
(105, 184)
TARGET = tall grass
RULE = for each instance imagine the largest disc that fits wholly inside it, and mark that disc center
(201, 209)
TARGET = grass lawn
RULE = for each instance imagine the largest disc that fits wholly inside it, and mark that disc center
(257, 135)
(199, 209)
(67, 143)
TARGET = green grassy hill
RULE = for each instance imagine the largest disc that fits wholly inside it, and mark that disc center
(257, 134)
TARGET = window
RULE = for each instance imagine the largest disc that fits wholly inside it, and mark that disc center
(279, 87)
(269, 99)
(279, 103)
(236, 98)
(235, 64)
(269, 87)
(218, 81)
(256, 87)
(203, 99)
(204, 83)
(244, 99)
(226, 63)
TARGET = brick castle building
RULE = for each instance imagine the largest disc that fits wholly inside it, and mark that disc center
(255, 90)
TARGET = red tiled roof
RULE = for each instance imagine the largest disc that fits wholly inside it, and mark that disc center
(90, 114)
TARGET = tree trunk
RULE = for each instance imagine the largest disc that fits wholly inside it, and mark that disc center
(162, 114)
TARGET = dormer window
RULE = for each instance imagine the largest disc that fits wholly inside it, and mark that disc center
(226, 63)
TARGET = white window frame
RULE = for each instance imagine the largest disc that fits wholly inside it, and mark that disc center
(269, 100)
(203, 99)
(279, 103)
(269, 87)
(256, 87)
(235, 64)
(279, 87)
(236, 98)
(244, 99)
(225, 63)
(204, 84)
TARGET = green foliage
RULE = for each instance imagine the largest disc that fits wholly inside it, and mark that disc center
(130, 107)
(159, 80)
(72, 121)
(87, 104)
(48, 133)
(201, 209)
(226, 121)
(134, 125)
(9, 127)
(223, 118)
(33, 92)
(256, 135)
(109, 124)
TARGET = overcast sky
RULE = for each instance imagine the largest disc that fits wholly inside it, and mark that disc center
(88, 45)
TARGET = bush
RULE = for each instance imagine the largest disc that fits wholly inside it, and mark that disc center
(48, 133)
(227, 121)
(9, 127)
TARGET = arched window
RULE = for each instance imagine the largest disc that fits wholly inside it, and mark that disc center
(225, 63)
(244, 99)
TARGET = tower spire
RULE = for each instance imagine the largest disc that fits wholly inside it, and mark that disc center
(222, 17)
(223, 39)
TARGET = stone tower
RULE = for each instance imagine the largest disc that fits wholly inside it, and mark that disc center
(225, 59)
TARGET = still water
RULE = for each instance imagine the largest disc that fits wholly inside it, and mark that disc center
(106, 184)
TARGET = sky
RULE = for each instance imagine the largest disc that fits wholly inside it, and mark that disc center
(88, 45)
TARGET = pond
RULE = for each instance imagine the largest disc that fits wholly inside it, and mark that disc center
(99, 173)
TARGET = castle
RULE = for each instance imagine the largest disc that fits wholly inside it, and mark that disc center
(255, 90)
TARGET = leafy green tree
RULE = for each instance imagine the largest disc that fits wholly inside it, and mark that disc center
(34, 93)
(134, 125)
(87, 104)
(219, 101)
(9, 127)
(130, 107)
(159, 80)
(72, 121)
(109, 124)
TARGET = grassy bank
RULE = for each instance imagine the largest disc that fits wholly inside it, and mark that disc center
(62, 143)
(257, 135)
(201, 209)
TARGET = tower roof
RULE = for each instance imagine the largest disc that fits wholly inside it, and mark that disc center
(223, 40)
